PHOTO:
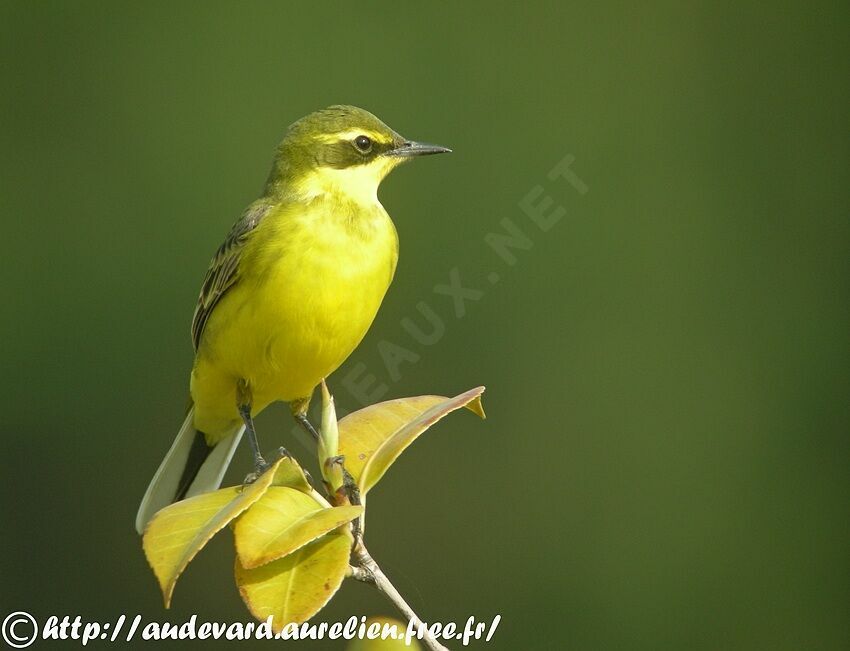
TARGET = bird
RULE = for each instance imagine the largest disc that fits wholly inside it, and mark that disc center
(288, 295)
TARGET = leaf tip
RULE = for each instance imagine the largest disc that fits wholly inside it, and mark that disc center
(167, 593)
(475, 405)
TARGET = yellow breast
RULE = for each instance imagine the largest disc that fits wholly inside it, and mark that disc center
(325, 282)
(311, 281)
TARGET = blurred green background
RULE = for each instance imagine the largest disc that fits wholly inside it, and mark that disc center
(665, 462)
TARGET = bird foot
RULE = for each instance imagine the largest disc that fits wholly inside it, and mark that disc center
(261, 465)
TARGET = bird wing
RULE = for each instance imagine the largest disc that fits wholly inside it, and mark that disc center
(224, 267)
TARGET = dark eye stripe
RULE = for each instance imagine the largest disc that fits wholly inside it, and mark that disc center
(345, 152)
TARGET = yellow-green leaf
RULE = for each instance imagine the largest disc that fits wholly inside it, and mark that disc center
(294, 588)
(282, 521)
(289, 473)
(178, 532)
(328, 447)
(333, 476)
(372, 439)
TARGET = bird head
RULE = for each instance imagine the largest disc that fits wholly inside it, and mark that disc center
(341, 149)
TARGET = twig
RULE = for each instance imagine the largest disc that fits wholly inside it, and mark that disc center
(365, 569)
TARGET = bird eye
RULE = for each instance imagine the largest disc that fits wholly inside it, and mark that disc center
(363, 143)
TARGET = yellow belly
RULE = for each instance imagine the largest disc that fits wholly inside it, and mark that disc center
(309, 288)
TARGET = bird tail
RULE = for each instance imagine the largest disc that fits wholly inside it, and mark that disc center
(191, 467)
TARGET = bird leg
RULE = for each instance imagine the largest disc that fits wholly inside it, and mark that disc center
(299, 412)
(243, 404)
(307, 425)
(351, 492)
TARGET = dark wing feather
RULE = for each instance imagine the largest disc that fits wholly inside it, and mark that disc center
(224, 268)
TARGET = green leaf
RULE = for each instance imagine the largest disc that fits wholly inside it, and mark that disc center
(281, 522)
(294, 588)
(178, 532)
(372, 439)
(289, 473)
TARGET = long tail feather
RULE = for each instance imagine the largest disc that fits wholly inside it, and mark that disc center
(190, 467)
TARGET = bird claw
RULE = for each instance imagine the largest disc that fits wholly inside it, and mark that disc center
(260, 466)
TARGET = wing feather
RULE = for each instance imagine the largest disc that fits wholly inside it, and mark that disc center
(223, 271)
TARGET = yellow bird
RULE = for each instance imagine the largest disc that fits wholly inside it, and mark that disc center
(289, 294)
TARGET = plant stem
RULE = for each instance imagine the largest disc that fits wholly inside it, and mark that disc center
(364, 568)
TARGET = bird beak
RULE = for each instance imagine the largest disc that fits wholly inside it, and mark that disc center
(409, 149)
